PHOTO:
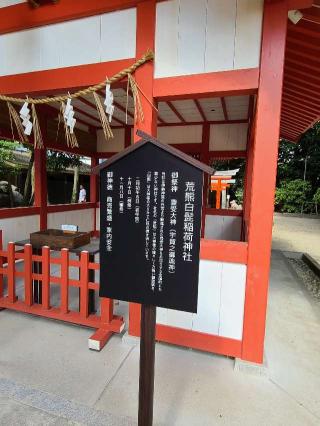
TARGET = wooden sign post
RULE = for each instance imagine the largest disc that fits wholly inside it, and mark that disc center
(146, 375)
(150, 222)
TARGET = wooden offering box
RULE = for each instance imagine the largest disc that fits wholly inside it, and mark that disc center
(57, 239)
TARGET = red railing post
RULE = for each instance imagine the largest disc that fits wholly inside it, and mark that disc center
(84, 281)
(28, 299)
(11, 273)
(1, 266)
(64, 281)
(46, 277)
(106, 307)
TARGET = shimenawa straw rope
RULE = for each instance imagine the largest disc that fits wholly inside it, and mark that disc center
(148, 56)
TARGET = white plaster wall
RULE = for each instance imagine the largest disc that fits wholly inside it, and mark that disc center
(98, 218)
(207, 35)
(223, 227)
(228, 137)
(180, 134)
(18, 228)
(114, 144)
(83, 218)
(220, 302)
(100, 38)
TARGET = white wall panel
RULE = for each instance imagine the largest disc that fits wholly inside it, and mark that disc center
(179, 319)
(232, 300)
(220, 227)
(220, 302)
(166, 42)
(248, 33)
(221, 24)
(192, 35)
(5, 3)
(106, 37)
(228, 137)
(79, 41)
(162, 316)
(20, 52)
(207, 318)
(207, 36)
(114, 144)
(82, 218)
(18, 228)
(180, 134)
(118, 35)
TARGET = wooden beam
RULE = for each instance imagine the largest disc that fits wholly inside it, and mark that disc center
(53, 112)
(117, 105)
(292, 125)
(300, 74)
(161, 120)
(177, 113)
(298, 107)
(303, 42)
(299, 116)
(302, 51)
(91, 105)
(199, 123)
(63, 79)
(295, 55)
(250, 107)
(86, 114)
(300, 89)
(303, 100)
(228, 154)
(224, 108)
(306, 84)
(290, 130)
(200, 109)
(196, 86)
(298, 4)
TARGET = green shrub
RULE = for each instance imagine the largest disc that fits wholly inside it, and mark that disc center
(291, 195)
(316, 197)
(239, 195)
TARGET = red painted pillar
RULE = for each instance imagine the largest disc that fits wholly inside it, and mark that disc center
(248, 184)
(40, 191)
(94, 192)
(205, 158)
(146, 17)
(127, 136)
(264, 165)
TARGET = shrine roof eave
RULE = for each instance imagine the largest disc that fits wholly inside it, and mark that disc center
(145, 138)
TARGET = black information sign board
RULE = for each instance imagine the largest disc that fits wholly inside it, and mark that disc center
(150, 222)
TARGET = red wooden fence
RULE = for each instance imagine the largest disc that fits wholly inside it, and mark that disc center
(106, 323)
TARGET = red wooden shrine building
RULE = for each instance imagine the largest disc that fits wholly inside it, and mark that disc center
(228, 78)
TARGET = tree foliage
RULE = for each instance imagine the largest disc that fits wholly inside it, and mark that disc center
(298, 179)
(301, 160)
(58, 161)
(6, 155)
(292, 194)
(316, 196)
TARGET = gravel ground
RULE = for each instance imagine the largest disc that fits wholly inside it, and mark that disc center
(308, 277)
(292, 233)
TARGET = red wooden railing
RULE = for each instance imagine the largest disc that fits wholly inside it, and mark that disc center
(106, 322)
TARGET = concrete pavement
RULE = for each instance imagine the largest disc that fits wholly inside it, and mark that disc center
(48, 376)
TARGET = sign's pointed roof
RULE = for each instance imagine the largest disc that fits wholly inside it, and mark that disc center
(145, 138)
